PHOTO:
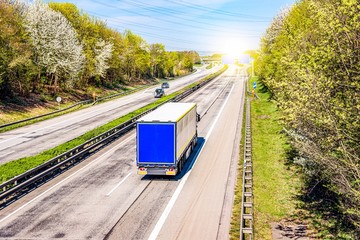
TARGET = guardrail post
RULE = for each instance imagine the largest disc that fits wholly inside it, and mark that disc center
(246, 221)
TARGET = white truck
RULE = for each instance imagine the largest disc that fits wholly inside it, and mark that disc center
(165, 138)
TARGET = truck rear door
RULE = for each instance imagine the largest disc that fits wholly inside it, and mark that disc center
(156, 143)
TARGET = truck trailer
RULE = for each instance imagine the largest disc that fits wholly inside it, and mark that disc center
(165, 138)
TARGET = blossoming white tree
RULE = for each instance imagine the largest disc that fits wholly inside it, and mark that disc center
(55, 43)
(276, 25)
(103, 53)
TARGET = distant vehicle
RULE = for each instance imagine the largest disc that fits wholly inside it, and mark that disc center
(165, 139)
(165, 85)
(159, 92)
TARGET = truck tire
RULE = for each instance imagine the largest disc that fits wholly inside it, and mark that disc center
(181, 164)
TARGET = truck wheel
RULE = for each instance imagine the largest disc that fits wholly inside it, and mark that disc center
(180, 165)
(194, 143)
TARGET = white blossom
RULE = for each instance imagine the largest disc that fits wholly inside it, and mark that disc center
(103, 51)
(277, 24)
(55, 41)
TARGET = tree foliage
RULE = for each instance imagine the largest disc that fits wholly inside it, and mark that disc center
(103, 52)
(55, 43)
(52, 46)
(309, 60)
(16, 68)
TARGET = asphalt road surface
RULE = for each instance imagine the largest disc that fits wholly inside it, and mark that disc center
(33, 139)
(104, 198)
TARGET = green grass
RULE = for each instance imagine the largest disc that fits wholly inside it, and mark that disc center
(276, 182)
(236, 211)
(16, 167)
(279, 189)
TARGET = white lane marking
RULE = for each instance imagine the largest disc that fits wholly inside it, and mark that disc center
(148, 90)
(112, 190)
(62, 181)
(154, 234)
(217, 117)
(6, 154)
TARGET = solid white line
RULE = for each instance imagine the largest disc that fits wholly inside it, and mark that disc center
(7, 154)
(112, 190)
(217, 117)
(154, 234)
(62, 181)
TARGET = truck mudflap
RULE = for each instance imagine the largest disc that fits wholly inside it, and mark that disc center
(170, 171)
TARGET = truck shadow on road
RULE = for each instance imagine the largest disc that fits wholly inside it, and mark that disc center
(187, 167)
(192, 159)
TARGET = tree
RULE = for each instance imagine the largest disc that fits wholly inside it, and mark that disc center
(309, 61)
(55, 43)
(136, 58)
(103, 53)
(16, 67)
(172, 59)
(157, 57)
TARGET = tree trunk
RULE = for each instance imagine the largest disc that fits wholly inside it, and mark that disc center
(36, 80)
(56, 82)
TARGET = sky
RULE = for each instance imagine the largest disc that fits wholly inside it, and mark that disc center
(224, 26)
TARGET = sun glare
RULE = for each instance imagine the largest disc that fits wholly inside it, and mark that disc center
(232, 50)
(233, 47)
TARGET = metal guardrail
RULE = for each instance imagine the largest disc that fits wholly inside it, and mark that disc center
(246, 224)
(18, 185)
(74, 105)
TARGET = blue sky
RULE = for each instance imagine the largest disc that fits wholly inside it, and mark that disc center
(200, 25)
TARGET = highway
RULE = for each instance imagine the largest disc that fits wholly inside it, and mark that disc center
(104, 198)
(33, 139)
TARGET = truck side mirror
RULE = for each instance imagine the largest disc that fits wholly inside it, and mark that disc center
(198, 117)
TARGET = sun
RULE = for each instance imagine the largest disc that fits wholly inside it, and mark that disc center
(232, 50)
(232, 47)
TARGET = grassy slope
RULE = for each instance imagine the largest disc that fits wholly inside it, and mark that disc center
(275, 182)
(236, 212)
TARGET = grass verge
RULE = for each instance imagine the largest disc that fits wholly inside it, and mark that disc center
(236, 211)
(280, 189)
(17, 167)
(276, 182)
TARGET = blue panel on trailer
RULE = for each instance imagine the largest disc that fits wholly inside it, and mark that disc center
(156, 143)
